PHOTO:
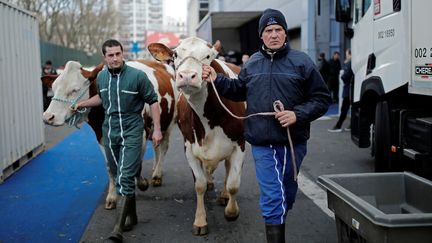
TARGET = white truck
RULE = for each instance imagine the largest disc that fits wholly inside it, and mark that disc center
(391, 111)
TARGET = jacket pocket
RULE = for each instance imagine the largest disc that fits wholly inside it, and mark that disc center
(128, 99)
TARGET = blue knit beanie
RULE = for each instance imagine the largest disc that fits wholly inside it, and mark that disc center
(270, 17)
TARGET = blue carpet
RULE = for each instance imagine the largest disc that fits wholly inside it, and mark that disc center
(52, 198)
(332, 110)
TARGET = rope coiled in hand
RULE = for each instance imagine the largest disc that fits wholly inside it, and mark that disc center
(278, 107)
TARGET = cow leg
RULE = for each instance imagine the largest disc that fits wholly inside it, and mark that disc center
(160, 152)
(232, 210)
(210, 183)
(200, 226)
(140, 181)
(223, 196)
(111, 198)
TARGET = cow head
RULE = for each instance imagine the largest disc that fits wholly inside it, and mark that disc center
(188, 59)
(69, 87)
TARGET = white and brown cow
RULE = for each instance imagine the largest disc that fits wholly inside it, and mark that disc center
(210, 134)
(76, 83)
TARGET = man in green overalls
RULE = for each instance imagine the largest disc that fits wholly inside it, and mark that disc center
(122, 91)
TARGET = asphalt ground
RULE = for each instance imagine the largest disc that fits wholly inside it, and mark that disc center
(166, 213)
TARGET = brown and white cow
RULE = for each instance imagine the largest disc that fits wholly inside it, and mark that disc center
(210, 133)
(76, 83)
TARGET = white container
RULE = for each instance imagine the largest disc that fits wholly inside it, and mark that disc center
(21, 126)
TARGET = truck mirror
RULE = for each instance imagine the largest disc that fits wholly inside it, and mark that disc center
(349, 32)
(343, 11)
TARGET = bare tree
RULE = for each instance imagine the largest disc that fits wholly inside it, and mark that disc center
(79, 24)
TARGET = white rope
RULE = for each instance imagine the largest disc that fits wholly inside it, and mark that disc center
(278, 107)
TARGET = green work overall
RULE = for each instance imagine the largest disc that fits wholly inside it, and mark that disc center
(123, 93)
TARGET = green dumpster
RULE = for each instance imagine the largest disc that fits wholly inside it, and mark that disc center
(380, 207)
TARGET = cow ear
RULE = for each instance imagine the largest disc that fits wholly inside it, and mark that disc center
(93, 74)
(47, 80)
(160, 52)
(217, 46)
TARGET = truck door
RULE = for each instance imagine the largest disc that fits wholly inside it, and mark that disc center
(361, 44)
(390, 40)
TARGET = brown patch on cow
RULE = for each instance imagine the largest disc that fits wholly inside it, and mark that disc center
(218, 116)
(233, 67)
(165, 89)
(217, 46)
(96, 115)
(91, 76)
(189, 122)
(47, 80)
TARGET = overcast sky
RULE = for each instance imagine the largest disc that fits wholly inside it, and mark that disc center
(176, 9)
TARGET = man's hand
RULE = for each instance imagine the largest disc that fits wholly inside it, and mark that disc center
(208, 73)
(157, 138)
(286, 118)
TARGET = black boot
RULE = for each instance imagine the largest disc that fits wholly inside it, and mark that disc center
(132, 218)
(275, 233)
(123, 207)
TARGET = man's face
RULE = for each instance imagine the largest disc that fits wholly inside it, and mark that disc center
(113, 56)
(274, 36)
(47, 68)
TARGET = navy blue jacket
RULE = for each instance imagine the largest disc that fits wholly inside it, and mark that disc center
(346, 78)
(289, 76)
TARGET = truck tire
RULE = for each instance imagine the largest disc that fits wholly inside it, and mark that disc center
(382, 137)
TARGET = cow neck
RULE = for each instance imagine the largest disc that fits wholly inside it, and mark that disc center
(197, 101)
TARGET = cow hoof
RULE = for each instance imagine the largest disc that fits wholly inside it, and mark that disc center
(229, 217)
(142, 184)
(222, 201)
(156, 181)
(200, 230)
(110, 205)
(210, 187)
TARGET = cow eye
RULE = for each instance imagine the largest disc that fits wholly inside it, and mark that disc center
(74, 91)
(208, 56)
(175, 54)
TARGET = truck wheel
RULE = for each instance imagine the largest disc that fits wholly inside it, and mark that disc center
(382, 137)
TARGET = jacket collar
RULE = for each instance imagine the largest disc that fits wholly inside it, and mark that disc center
(269, 53)
(115, 71)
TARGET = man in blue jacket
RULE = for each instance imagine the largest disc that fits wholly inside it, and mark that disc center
(276, 72)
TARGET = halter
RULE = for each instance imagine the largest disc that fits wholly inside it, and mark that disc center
(187, 57)
(72, 121)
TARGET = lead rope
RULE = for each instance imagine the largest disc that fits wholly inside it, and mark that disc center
(278, 107)
(73, 120)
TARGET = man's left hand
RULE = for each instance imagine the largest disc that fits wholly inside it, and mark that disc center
(286, 118)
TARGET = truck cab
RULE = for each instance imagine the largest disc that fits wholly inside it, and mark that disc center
(392, 89)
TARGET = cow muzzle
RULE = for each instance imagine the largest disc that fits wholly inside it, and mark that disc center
(188, 78)
(48, 118)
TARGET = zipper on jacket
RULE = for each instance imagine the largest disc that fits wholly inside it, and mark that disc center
(270, 85)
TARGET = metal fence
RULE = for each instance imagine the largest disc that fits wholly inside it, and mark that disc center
(59, 55)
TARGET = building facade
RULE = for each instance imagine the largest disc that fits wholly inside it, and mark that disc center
(311, 24)
(142, 21)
